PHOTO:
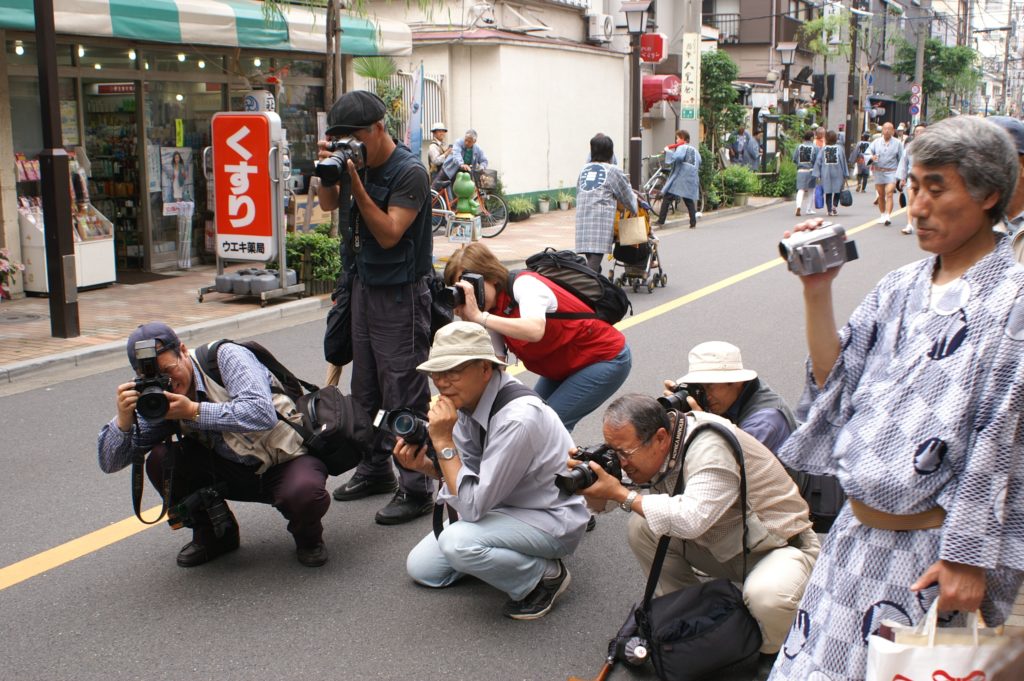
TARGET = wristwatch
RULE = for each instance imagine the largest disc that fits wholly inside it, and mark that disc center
(448, 453)
(627, 503)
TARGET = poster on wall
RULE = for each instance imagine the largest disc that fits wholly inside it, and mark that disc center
(176, 178)
(153, 167)
(69, 122)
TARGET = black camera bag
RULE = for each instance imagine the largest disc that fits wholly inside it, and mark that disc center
(338, 333)
(334, 428)
(704, 631)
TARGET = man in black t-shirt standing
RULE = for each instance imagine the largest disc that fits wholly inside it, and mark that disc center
(389, 252)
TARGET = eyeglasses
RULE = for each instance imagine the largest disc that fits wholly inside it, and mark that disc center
(624, 455)
(171, 367)
(451, 375)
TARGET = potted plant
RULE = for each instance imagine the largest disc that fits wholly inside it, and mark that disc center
(565, 200)
(543, 203)
(9, 268)
(316, 257)
(739, 183)
(519, 208)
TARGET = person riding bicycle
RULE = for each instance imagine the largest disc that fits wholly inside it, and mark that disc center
(465, 156)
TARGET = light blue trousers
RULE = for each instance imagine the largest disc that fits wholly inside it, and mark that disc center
(587, 389)
(506, 553)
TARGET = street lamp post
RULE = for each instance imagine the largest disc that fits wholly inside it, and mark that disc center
(636, 24)
(787, 55)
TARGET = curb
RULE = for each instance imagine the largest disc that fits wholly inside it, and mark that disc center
(222, 326)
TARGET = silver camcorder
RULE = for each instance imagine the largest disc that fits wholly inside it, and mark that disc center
(818, 250)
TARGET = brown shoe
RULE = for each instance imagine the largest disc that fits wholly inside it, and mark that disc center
(798, 212)
(313, 556)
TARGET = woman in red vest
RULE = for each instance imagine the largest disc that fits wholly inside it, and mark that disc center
(581, 362)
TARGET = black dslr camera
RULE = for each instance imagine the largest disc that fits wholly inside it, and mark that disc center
(581, 477)
(680, 391)
(150, 384)
(331, 169)
(208, 502)
(453, 296)
(403, 423)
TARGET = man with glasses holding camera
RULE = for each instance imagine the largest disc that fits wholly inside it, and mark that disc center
(231, 444)
(723, 387)
(388, 252)
(499, 448)
(704, 521)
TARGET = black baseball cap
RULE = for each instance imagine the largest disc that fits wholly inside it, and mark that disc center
(354, 111)
(157, 331)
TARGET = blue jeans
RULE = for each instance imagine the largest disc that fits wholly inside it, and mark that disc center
(587, 389)
(506, 553)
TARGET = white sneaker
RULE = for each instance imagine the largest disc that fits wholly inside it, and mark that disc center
(811, 211)
(888, 220)
(907, 230)
(880, 220)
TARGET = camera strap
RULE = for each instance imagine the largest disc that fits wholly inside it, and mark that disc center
(659, 556)
(138, 479)
(507, 393)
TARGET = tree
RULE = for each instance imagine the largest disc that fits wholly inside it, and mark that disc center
(949, 71)
(720, 113)
(823, 36)
(379, 70)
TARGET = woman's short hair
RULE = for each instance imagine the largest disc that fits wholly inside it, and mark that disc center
(983, 153)
(479, 259)
(831, 137)
(602, 148)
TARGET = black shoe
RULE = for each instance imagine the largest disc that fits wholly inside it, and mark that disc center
(539, 601)
(193, 554)
(404, 507)
(314, 556)
(358, 488)
(592, 523)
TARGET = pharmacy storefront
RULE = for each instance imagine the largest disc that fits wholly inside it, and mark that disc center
(138, 86)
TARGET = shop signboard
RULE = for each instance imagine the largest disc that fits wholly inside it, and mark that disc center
(689, 89)
(246, 183)
(653, 47)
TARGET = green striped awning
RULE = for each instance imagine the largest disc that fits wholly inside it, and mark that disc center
(231, 23)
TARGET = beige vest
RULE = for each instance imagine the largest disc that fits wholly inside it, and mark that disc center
(272, 447)
(776, 511)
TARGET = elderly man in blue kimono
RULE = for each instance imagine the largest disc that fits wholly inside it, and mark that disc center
(744, 149)
(915, 404)
(684, 180)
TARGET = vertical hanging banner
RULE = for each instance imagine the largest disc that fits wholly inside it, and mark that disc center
(689, 88)
(414, 130)
(246, 181)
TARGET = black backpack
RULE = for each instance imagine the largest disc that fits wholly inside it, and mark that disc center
(569, 270)
(334, 428)
(824, 496)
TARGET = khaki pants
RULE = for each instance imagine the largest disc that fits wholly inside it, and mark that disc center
(772, 590)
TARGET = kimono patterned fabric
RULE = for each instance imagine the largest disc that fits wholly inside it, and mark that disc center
(922, 409)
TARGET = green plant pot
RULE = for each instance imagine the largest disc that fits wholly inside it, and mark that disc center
(543, 206)
(518, 217)
(740, 199)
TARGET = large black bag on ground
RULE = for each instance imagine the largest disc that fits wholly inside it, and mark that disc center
(701, 632)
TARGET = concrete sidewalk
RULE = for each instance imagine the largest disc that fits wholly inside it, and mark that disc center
(107, 315)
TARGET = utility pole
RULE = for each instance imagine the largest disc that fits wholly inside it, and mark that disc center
(923, 30)
(1011, 27)
(852, 87)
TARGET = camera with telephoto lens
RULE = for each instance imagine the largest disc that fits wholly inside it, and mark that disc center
(403, 423)
(208, 502)
(818, 250)
(680, 391)
(150, 384)
(582, 477)
(331, 169)
(453, 296)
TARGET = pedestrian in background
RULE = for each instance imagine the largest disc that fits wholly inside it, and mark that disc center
(883, 155)
(857, 158)
(684, 180)
(600, 190)
(831, 171)
(901, 180)
(744, 149)
(439, 149)
(804, 157)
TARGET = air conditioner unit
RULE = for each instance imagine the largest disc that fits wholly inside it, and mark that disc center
(600, 28)
(658, 111)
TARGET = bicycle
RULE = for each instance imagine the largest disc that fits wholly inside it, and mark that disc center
(493, 209)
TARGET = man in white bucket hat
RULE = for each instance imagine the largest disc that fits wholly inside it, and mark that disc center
(724, 387)
(438, 150)
(498, 448)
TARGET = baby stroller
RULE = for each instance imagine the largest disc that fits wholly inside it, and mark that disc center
(638, 262)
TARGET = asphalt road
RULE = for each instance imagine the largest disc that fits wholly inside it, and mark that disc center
(126, 611)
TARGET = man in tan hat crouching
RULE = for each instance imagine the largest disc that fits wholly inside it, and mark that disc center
(498, 448)
(724, 387)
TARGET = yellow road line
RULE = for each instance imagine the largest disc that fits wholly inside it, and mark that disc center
(94, 541)
(76, 548)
